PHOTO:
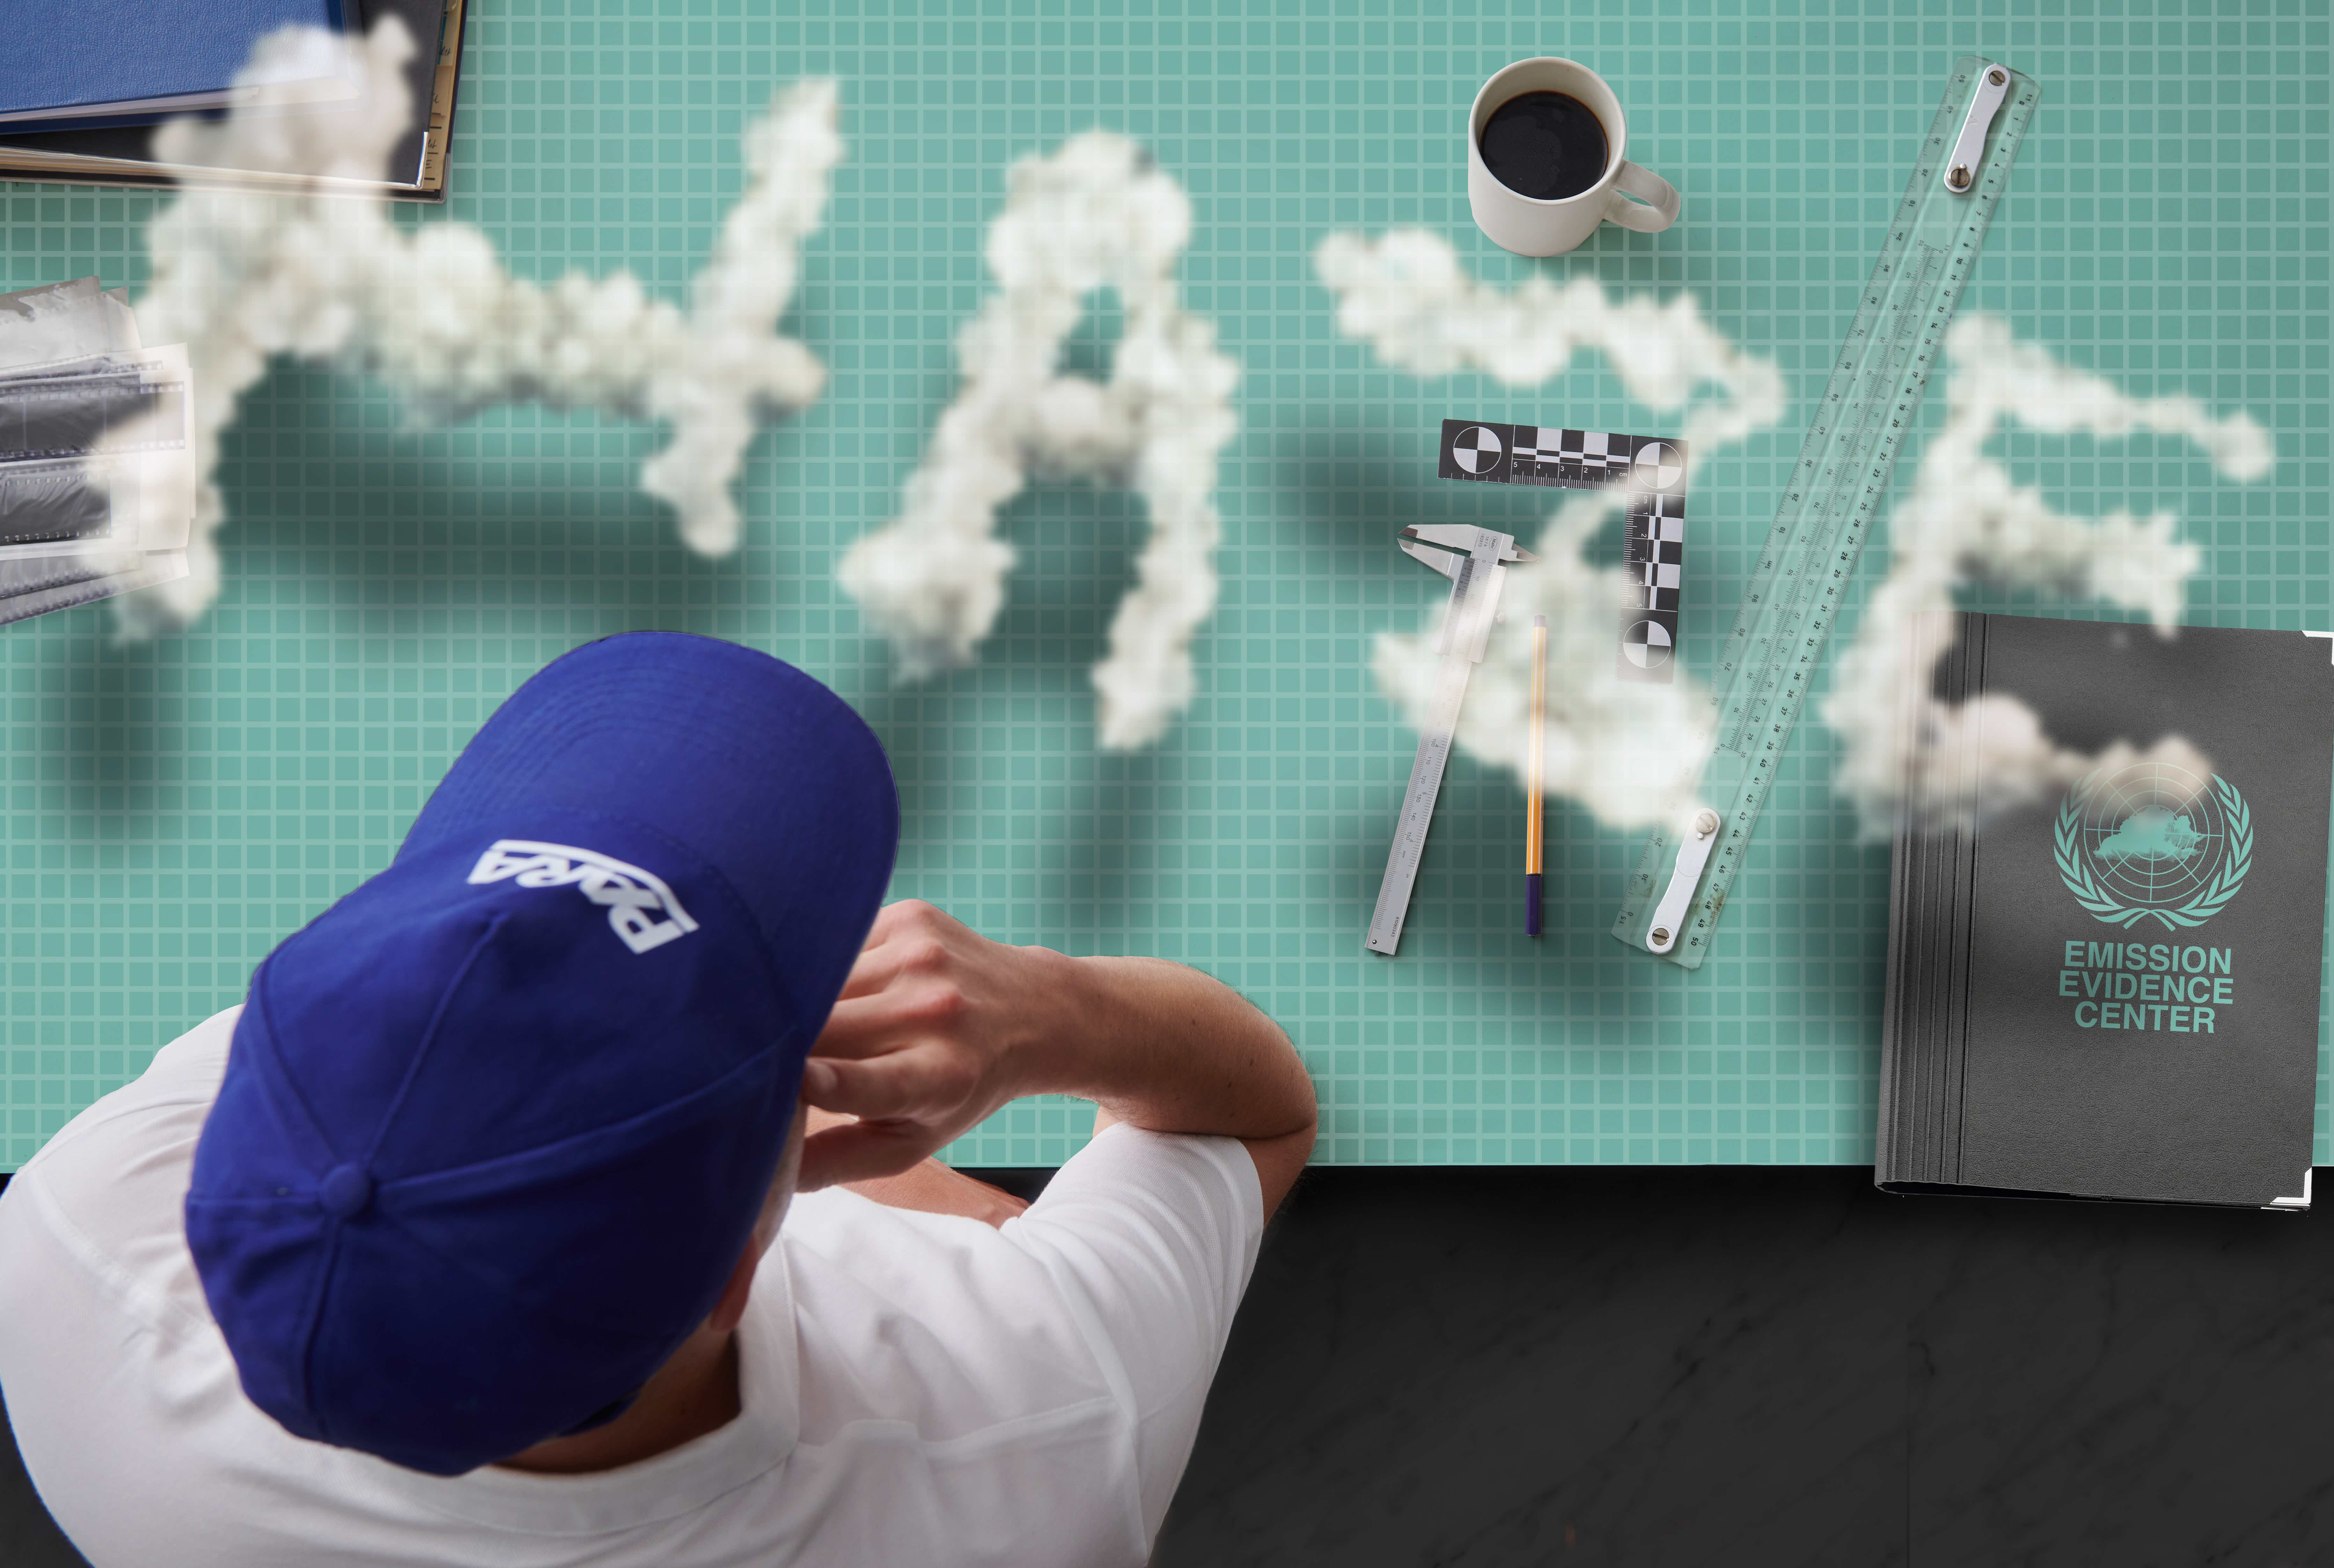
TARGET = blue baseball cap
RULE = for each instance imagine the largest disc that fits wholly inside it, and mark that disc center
(497, 1126)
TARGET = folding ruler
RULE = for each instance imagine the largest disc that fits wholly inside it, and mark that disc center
(1476, 561)
(1685, 870)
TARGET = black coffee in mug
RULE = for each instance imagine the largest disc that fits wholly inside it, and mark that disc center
(1544, 145)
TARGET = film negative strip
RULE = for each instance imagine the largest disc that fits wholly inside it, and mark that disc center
(135, 408)
(1650, 468)
(95, 449)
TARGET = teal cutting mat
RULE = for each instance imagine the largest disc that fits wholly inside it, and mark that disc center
(174, 808)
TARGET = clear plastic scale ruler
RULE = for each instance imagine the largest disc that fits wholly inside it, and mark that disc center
(1870, 409)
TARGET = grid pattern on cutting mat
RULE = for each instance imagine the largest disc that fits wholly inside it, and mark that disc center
(174, 808)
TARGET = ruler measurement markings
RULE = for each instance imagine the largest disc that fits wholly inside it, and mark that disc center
(1776, 727)
(1761, 694)
(1766, 759)
(1829, 496)
(1820, 430)
(1426, 769)
(1802, 565)
(1476, 578)
(1784, 545)
(1759, 622)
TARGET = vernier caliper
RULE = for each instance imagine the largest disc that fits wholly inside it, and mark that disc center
(1476, 561)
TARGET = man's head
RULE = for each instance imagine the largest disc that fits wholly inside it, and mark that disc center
(497, 1127)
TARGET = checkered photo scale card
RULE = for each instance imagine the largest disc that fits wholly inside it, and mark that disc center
(1651, 468)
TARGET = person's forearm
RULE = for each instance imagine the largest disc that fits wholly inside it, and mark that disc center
(1168, 1049)
(939, 1027)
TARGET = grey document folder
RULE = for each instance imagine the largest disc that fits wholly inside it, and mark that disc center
(2111, 990)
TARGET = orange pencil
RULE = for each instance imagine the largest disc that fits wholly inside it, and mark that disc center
(1532, 836)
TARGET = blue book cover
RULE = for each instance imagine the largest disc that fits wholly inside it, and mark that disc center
(100, 61)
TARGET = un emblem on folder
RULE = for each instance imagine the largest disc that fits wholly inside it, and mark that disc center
(2153, 841)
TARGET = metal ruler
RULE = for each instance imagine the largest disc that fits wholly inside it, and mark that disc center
(1476, 561)
(1869, 410)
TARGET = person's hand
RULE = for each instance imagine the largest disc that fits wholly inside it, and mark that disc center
(928, 1038)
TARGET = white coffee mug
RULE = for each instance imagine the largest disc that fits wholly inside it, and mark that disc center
(1529, 226)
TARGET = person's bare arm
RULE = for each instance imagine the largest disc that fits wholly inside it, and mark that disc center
(930, 1186)
(939, 1026)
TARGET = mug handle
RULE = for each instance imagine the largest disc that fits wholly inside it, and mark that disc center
(1639, 180)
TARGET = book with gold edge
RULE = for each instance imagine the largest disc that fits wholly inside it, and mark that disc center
(117, 154)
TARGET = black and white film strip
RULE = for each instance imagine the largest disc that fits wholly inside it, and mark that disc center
(1650, 468)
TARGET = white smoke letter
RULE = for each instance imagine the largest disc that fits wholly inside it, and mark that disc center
(240, 277)
(1965, 522)
(1630, 752)
(1095, 214)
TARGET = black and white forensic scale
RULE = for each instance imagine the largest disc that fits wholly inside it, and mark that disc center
(1650, 468)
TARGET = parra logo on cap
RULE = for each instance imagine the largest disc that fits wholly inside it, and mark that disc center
(635, 898)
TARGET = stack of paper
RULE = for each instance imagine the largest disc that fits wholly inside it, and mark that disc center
(97, 479)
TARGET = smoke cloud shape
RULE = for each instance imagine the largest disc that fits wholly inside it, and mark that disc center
(1407, 297)
(1632, 752)
(1906, 755)
(240, 277)
(1629, 753)
(1094, 214)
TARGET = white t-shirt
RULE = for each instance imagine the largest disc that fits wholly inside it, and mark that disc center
(918, 1390)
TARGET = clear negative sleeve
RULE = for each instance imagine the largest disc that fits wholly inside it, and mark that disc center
(97, 449)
